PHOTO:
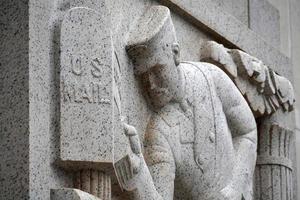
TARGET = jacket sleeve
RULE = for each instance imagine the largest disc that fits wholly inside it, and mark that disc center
(160, 161)
(242, 125)
(238, 113)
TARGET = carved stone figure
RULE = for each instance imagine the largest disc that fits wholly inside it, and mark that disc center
(201, 140)
(268, 95)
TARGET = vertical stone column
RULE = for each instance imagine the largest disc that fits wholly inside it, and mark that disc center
(274, 166)
(95, 182)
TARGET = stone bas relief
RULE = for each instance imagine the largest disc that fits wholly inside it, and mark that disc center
(98, 101)
(266, 93)
(201, 139)
(200, 142)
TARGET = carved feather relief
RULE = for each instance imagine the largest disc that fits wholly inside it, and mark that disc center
(264, 89)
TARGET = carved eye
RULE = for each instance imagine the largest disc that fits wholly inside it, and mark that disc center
(175, 50)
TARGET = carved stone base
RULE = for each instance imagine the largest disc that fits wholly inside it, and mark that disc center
(94, 182)
(70, 194)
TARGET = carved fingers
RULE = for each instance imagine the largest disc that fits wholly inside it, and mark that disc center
(127, 170)
(134, 140)
(129, 167)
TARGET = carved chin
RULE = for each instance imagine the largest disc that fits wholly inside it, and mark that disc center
(160, 100)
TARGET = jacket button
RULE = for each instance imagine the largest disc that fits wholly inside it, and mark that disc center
(211, 137)
(200, 163)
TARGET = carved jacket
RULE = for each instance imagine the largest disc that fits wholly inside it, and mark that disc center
(189, 145)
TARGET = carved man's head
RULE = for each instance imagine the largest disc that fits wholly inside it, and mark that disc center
(154, 51)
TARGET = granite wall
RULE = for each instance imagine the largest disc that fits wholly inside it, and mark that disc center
(14, 98)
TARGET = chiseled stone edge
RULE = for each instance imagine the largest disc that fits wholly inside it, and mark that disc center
(231, 32)
(71, 194)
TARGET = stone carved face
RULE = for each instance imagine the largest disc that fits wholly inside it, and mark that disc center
(161, 82)
(152, 46)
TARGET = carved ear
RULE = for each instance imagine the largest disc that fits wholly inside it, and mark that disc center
(176, 53)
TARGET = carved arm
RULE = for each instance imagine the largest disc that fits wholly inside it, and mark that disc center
(242, 126)
(134, 174)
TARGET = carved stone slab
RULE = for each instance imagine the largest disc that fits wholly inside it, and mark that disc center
(71, 194)
(86, 88)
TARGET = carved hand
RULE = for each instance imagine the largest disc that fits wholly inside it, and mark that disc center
(133, 172)
(132, 169)
(136, 159)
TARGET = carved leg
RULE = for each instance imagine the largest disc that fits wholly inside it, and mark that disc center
(94, 182)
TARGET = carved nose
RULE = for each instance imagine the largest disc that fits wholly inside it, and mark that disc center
(152, 82)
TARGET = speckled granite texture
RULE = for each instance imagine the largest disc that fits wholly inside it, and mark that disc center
(30, 63)
(14, 106)
(265, 20)
(86, 87)
(70, 194)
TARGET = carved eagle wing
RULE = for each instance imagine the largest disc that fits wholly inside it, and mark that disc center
(264, 89)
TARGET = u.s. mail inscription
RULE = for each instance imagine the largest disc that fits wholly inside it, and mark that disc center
(86, 88)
